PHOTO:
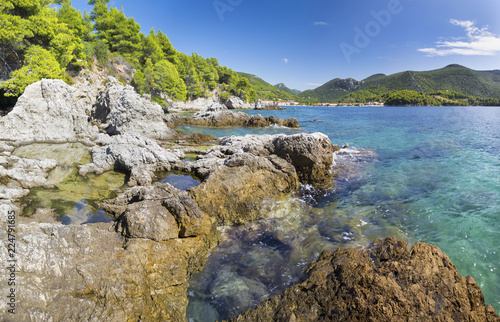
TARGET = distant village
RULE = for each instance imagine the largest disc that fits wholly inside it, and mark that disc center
(294, 103)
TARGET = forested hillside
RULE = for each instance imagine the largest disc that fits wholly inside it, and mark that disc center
(456, 78)
(266, 90)
(51, 39)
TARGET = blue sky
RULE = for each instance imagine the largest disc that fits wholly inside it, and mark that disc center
(305, 43)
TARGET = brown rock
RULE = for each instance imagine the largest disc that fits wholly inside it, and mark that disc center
(385, 282)
(235, 191)
(149, 219)
(310, 154)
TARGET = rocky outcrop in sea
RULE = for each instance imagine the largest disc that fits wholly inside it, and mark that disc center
(218, 115)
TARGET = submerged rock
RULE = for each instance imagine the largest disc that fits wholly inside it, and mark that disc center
(29, 173)
(120, 109)
(48, 111)
(385, 282)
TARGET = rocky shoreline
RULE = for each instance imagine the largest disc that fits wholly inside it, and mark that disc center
(138, 266)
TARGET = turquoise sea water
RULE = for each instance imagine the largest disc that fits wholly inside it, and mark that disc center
(436, 179)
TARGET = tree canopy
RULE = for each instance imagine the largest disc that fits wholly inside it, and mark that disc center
(43, 38)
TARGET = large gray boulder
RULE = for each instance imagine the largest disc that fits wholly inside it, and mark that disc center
(120, 109)
(234, 102)
(48, 111)
(266, 105)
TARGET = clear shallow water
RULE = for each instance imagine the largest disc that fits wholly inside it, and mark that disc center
(73, 197)
(436, 179)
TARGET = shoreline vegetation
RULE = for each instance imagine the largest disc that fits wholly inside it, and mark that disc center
(72, 45)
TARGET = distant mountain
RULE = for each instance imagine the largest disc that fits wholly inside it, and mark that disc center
(332, 90)
(284, 88)
(266, 90)
(452, 78)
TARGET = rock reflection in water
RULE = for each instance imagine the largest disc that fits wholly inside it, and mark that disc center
(83, 214)
(73, 196)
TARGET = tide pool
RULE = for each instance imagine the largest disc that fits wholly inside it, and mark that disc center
(436, 179)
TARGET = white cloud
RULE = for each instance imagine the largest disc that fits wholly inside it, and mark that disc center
(285, 60)
(478, 42)
(321, 23)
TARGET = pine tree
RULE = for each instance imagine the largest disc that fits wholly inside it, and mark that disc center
(165, 79)
(151, 48)
(40, 63)
(121, 34)
(31, 24)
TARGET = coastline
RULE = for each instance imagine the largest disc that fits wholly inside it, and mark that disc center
(161, 235)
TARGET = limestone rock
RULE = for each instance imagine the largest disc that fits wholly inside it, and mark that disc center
(12, 191)
(136, 155)
(121, 110)
(150, 220)
(158, 212)
(243, 172)
(266, 105)
(47, 112)
(87, 272)
(173, 120)
(310, 154)
(197, 104)
(386, 282)
(29, 173)
(234, 102)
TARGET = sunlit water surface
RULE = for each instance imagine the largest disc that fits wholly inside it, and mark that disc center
(436, 179)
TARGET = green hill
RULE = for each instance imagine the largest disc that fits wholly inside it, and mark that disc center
(455, 78)
(332, 90)
(266, 90)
